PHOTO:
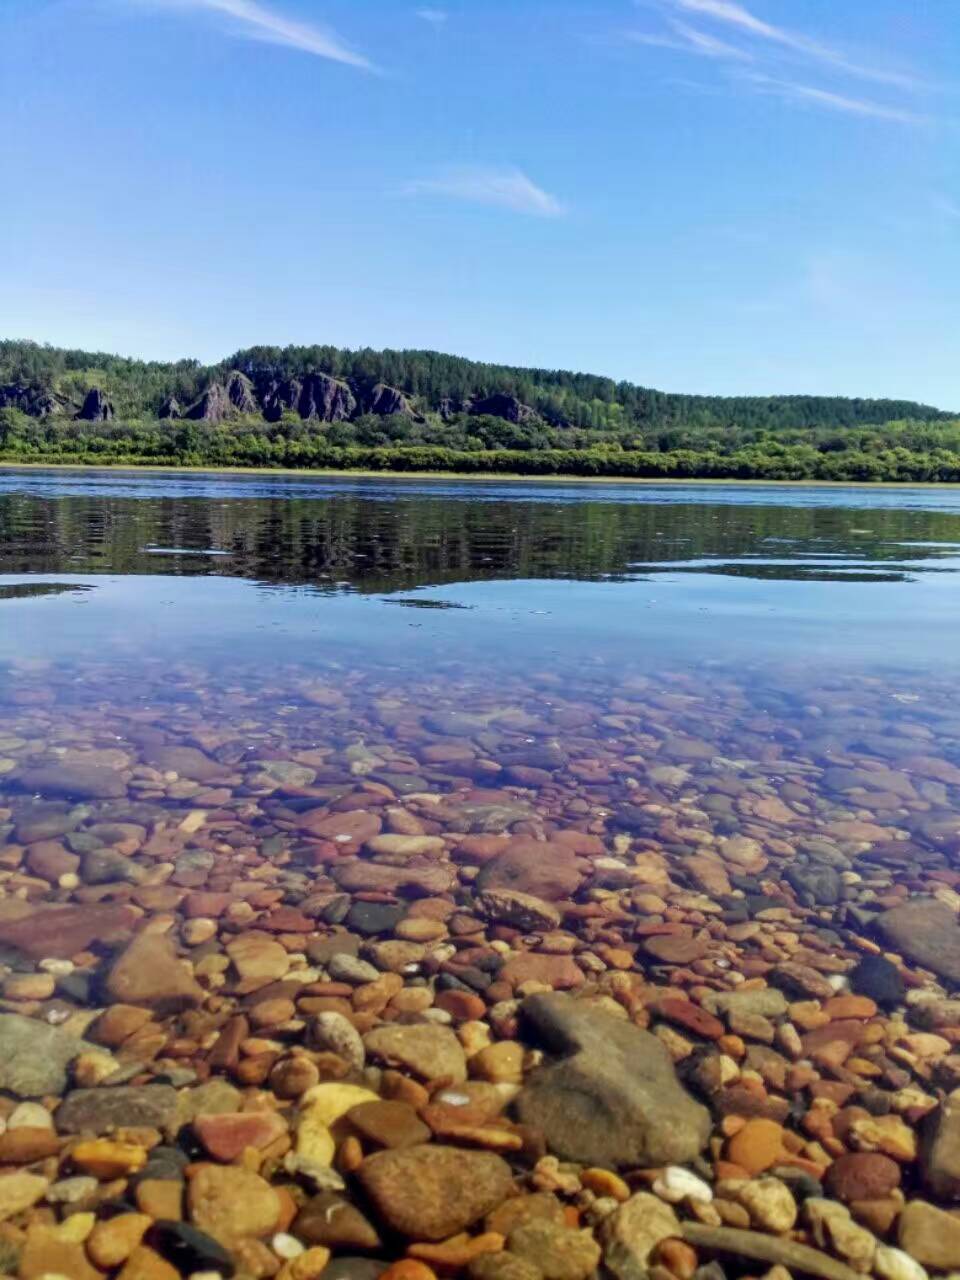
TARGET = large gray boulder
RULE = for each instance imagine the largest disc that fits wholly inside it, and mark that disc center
(34, 1056)
(926, 932)
(610, 1096)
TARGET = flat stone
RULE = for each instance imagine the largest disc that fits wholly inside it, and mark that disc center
(227, 1136)
(518, 910)
(433, 1192)
(149, 974)
(331, 1220)
(562, 973)
(76, 781)
(99, 1111)
(58, 933)
(258, 958)
(926, 932)
(613, 1099)
(560, 1252)
(426, 1050)
(232, 1204)
(630, 1234)
(388, 1124)
(19, 1191)
(544, 870)
(929, 1235)
(940, 1149)
(670, 948)
(188, 762)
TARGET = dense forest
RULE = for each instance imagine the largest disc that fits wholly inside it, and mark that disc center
(424, 411)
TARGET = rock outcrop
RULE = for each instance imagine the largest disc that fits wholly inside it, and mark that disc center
(32, 399)
(240, 393)
(326, 398)
(96, 407)
(501, 405)
(386, 401)
(170, 409)
(611, 1097)
(213, 406)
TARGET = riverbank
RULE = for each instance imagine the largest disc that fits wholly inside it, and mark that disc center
(486, 477)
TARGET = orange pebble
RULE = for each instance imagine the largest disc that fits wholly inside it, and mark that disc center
(408, 1269)
(758, 1145)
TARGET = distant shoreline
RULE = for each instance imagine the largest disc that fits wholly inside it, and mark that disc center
(474, 477)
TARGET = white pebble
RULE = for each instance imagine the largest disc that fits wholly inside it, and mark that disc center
(894, 1264)
(29, 1115)
(59, 967)
(676, 1184)
(839, 982)
(286, 1246)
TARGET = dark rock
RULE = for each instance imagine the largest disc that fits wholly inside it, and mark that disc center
(326, 398)
(96, 407)
(613, 1098)
(500, 405)
(32, 399)
(814, 885)
(878, 978)
(213, 405)
(240, 393)
(387, 401)
(188, 1249)
(170, 409)
(372, 918)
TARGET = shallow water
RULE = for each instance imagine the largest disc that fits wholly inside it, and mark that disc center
(589, 636)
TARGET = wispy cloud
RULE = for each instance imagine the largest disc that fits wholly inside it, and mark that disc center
(737, 16)
(792, 92)
(776, 53)
(255, 21)
(436, 17)
(478, 184)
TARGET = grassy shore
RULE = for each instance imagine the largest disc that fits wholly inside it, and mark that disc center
(496, 477)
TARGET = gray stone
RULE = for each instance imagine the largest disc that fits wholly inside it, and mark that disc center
(101, 1110)
(613, 1098)
(926, 932)
(940, 1149)
(34, 1056)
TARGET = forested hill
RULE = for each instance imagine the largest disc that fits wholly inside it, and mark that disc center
(330, 384)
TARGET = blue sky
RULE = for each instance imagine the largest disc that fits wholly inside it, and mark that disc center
(697, 195)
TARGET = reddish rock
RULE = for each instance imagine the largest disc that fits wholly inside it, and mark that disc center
(559, 972)
(61, 932)
(227, 1136)
(542, 869)
(674, 949)
(863, 1176)
(684, 1013)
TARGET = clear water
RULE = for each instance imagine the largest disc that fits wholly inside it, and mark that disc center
(259, 617)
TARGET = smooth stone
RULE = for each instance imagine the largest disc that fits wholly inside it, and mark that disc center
(20, 1191)
(54, 932)
(432, 1192)
(34, 1056)
(541, 869)
(189, 1249)
(75, 781)
(232, 1204)
(880, 979)
(926, 932)
(388, 1124)
(329, 1219)
(149, 974)
(426, 1050)
(929, 1235)
(560, 1252)
(940, 1149)
(630, 1234)
(100, 1110)
(518, 910)
(613, 1099)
